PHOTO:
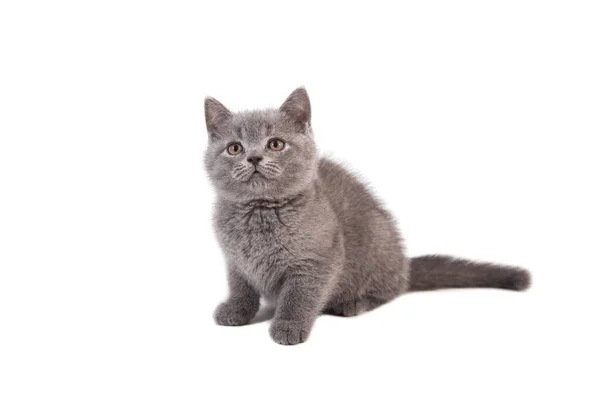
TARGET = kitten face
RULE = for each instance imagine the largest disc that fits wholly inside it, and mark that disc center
(266, 154)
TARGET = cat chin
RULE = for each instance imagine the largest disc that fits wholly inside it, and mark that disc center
(254, 192)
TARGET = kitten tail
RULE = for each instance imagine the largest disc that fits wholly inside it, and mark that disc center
(439, 272)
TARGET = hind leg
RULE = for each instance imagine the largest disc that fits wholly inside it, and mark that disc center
(389, 283)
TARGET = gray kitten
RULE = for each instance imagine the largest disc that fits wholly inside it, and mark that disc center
(304, 233)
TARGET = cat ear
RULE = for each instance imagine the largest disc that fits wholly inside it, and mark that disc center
(216, 115)
(297, 107)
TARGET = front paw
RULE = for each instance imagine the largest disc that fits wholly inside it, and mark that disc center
(289, 332)
(229, 315)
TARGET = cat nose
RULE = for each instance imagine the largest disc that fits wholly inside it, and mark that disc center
(254, 160)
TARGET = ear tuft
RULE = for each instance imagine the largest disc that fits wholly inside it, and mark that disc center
(216, 115)
(297, 106)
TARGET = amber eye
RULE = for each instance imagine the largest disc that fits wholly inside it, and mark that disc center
(276, 144)
(234, 148)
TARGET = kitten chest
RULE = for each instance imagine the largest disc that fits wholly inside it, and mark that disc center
(261, 243)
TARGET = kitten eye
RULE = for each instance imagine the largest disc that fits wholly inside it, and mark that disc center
(276, 144)
(234, 148)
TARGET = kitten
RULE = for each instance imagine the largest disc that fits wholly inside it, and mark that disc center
(304, 233)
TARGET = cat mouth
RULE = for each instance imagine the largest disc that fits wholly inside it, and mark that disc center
(255, 174)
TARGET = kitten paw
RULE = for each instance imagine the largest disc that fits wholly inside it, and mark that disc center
(229, 315)
(352, 308)
(289, 332)
(347, 309)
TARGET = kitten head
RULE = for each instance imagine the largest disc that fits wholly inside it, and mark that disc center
(260, 155)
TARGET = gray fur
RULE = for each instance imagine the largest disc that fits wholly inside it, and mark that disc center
(305, 234)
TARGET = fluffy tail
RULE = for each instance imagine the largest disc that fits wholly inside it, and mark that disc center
(439, 272)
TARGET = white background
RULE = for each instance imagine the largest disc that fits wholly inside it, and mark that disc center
(475, 122)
